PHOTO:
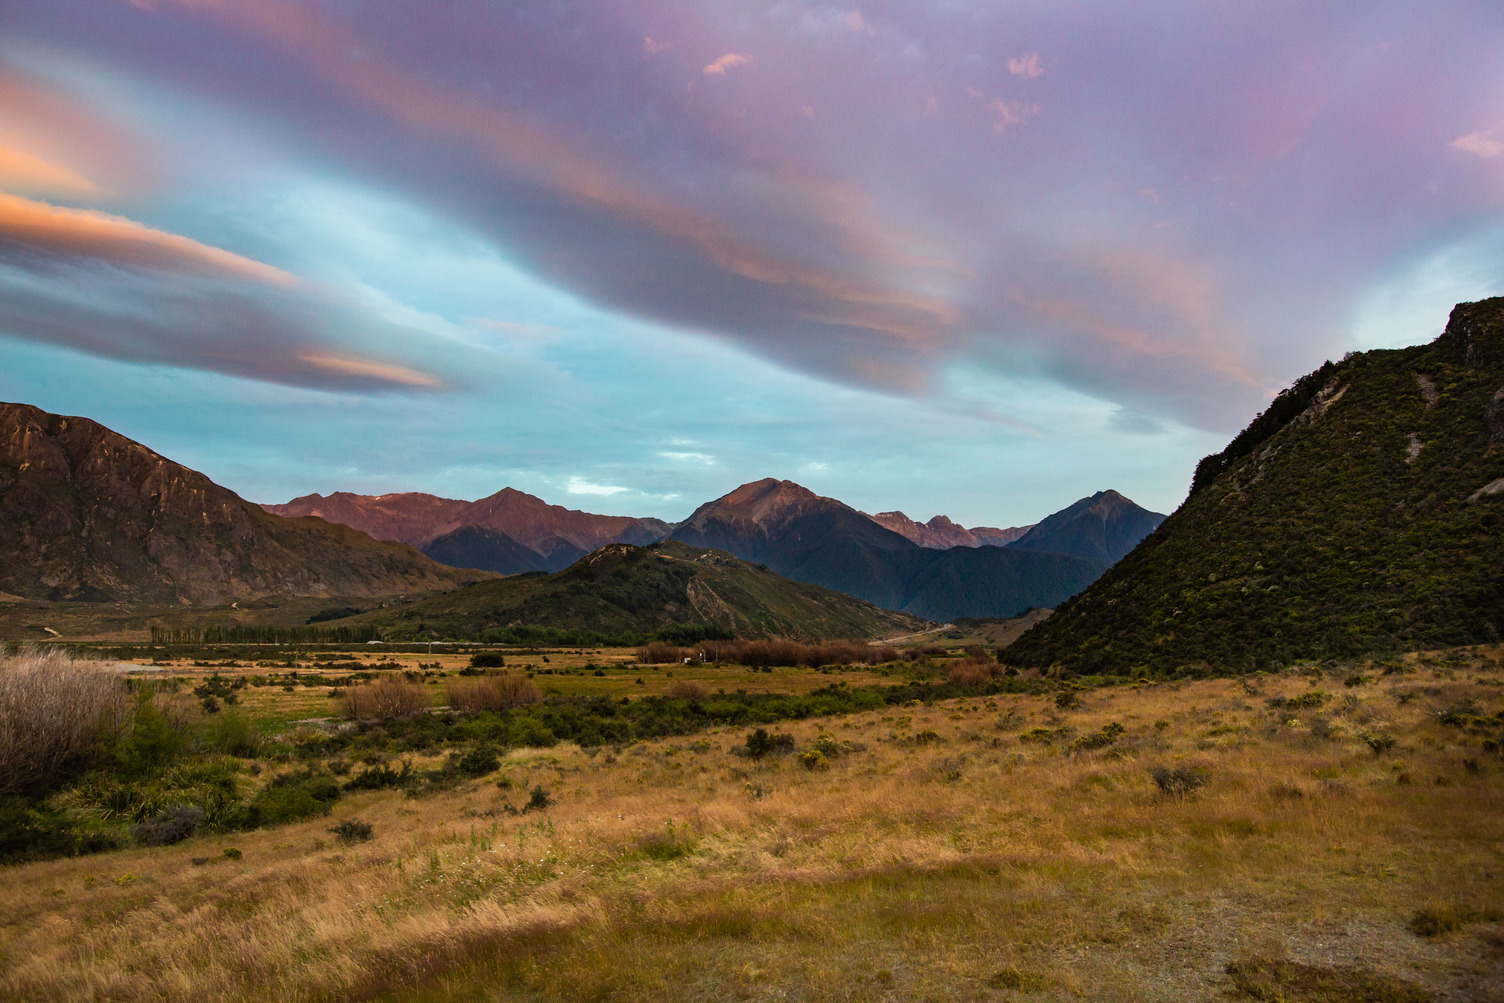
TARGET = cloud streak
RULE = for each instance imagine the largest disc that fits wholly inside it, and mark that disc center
(38, 227)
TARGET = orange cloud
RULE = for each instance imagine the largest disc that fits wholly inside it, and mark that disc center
(509, 327)
(115, 238)
(24, 171)
(730, 60)
(370, 369)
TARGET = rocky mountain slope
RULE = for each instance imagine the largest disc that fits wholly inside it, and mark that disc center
(1360, 513)
(627, 590)
(87, 514)
(942, 534)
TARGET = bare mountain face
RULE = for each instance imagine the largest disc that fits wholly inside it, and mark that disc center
(809, 538)
(87, 514)
(1104, 527)
(942, 534)
(509, 532)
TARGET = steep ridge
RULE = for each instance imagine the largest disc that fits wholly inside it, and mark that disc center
(627, 590)
(940, 533)
(1360, 513)
(1103, 527)
(478, 547)
(87, 514)
(814, 539)
(554, 533)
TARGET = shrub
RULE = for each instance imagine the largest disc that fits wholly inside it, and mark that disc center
(477, 762)
(352, 830)
(687, 689)
(233, 734)
(971, 671)
(172, 826)
(291, 797)
(384, 699)
(537, 800)
(760, 743)
(1101, 739)
(813, 759)
(55, 714)
(1182, 781)
(1066, 699)
(491, 693)
(487, 660)
(379, 777)
(662, 653)
(153, 737)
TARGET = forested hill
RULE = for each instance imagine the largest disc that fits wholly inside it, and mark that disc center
(1360, 513)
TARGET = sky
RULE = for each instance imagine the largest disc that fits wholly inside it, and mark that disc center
(972, 258)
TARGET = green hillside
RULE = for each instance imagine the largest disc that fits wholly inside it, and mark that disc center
(622, 591)
(1359, 514)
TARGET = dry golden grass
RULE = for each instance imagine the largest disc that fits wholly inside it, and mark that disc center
(53, 709)
(968, 865)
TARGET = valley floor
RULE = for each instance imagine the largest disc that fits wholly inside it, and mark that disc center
(973, 849)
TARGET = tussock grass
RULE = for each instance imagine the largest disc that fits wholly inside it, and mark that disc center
(491, 693)
(386, 698)
(55, 710)
(969, 866)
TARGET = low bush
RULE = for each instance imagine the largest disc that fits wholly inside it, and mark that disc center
(378, 777)
(385, 699)
(487, 660)
(760, 743)
(352, 830)
(1182, 781)
(688, 689)
(1099, 739)
(537, 800)
(291, 797)
(172, 826)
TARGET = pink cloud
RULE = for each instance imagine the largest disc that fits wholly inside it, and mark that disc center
(1479, 144)
(1011, 113)
(371, 369)
(651, 46)
(1027, 65)
(729, 61)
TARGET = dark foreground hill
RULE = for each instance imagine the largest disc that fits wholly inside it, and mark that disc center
(1360, 513)
(814, 539)
(622, 590)
(87, 514)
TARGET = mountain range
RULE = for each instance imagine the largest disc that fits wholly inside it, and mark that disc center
(1360, 513)
(938, 570)
(942, 534)
(87, 514)
(521, 532)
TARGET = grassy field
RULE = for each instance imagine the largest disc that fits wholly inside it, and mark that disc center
(1015, 846)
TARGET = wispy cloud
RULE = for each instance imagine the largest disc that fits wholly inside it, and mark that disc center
(729, 61)
(370, 369)
(580, 486)
(1012, 113)
(702, 458)
(511, 327)
(23, 171)
(652, 46)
